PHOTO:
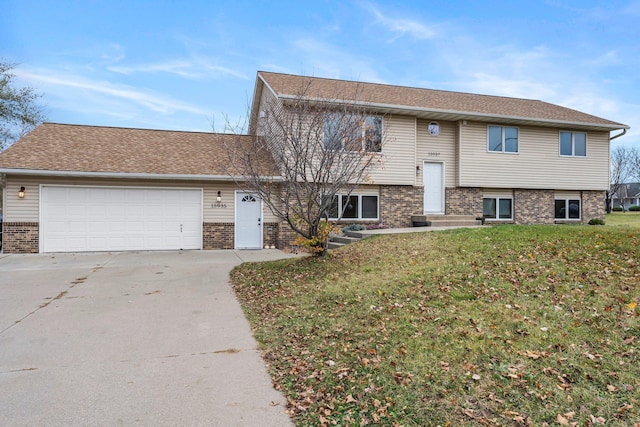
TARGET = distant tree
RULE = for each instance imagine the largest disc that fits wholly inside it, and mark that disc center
(20, 110)
(619, 170)
(634, 164)
(321, 148)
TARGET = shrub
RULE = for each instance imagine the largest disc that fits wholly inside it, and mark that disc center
(353, 227)
(635, 208)
(596, 221)
(617, 209)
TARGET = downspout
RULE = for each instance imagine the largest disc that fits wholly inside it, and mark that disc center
(624, 131)
(609, 205)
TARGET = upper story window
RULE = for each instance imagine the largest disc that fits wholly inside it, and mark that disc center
(502, 139)
(573, 144)
(352, 132)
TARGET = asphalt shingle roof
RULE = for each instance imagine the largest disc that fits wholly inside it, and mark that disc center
(287, 85)
(78, 148)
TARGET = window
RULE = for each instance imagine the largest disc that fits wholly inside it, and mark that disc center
(352, 132)
(355, 206)
(567, 209)
(573, 144)
(497, 208)
(501, 139)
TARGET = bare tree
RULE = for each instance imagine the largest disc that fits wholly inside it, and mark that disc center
(321, 148)
(20, 111)
(634, 164)
(619, 171)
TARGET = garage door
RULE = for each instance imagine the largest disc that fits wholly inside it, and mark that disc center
(79, 219)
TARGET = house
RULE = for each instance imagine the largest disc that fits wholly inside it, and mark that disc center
(508, 160)
(626, 196)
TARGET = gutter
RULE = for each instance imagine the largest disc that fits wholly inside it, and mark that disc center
(624, 131)
(123, 175)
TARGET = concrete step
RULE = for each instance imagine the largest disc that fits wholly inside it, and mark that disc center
(444, 220)
(356, 235)
(344, 239)
(335, 245)
(454, 223)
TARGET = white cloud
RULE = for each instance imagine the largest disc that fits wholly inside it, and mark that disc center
(178, 67)
(76, 87)
(401, 26)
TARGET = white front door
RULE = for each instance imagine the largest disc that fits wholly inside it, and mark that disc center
(433, 178)
(248, 228)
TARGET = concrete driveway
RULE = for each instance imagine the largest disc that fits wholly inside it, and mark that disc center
(149, 338)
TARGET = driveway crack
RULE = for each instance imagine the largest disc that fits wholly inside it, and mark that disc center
(72, 285)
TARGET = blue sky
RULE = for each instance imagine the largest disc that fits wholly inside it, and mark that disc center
(183, 64)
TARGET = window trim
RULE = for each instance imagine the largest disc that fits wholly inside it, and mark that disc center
(359, 216)
(363, 142)
(502, 134)
(497, 199)
(566, 215)
(573, 144)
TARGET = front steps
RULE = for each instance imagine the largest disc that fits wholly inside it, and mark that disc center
(445, 220)
(349, 237)
(429, 222)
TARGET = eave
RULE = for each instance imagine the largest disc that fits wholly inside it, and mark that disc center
(130, 175)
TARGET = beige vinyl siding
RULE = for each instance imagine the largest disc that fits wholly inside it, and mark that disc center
(567, 195)
(537, 165)
(398, 152)
(497, 192)
(21, 210)
(440, 148)
(28, 209)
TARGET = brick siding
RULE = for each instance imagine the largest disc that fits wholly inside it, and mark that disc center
(533, 206)
(218, 235)
(21, 238)
(463, 201)
(398, 203)
(593, 205)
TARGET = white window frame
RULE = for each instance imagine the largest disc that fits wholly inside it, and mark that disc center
(573, 144)
(359, 217)
(566, 204)
(503, 145)
(497, 199)
(363, 144)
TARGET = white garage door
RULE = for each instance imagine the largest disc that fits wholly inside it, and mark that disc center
(79, 219)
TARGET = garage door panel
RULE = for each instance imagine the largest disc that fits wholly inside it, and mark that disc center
(101, 219)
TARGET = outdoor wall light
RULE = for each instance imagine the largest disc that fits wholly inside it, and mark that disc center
(21, 193)
(219, 198)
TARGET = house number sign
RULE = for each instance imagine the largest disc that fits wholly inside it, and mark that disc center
(433, 154)
(218, 205)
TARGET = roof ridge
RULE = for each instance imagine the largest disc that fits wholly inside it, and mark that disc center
(406, 87)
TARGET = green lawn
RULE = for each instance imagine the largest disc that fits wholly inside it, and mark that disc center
(508, 325)
(630, 219)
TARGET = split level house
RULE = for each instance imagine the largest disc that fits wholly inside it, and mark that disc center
(72, 188)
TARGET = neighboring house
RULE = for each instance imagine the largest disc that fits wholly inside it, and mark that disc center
(509, 160)
(627, 195)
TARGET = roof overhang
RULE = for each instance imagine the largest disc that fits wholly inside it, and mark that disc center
(453, 115)
(129, 175)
